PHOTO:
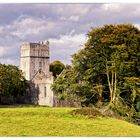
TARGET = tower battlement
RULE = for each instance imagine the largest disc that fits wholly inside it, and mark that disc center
(34, 56)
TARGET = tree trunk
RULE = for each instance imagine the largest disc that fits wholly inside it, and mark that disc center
(112, 81)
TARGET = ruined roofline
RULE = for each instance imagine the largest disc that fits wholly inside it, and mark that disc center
(36, 43)
(39, 43)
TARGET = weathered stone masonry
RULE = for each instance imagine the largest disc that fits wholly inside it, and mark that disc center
(34, 63)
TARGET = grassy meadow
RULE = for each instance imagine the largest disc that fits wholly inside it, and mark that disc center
(45, 121)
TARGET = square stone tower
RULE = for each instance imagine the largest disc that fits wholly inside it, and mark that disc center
(34, 56)
(34, 63)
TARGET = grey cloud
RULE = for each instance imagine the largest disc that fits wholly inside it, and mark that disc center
(21, 23)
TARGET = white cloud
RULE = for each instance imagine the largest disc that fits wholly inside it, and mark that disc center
(9, 61)
(137, 25)
(72, 9)
(62, 48)
(27, 27)
(64, 39)
(3, 51)
(74, 18)
(70, 19)
(9, 54)
(31, 27)
(111, 7)
(63, 18)
(1, 29)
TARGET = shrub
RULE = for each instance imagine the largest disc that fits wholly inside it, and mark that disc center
(138, 106)
(86, 111)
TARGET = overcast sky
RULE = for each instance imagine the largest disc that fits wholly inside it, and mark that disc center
(64, 25)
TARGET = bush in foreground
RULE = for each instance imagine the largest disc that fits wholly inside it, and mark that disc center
(90, 112)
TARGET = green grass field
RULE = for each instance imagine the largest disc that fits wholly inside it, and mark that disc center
(44, 121)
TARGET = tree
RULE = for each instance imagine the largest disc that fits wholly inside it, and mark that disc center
(56, 67)
(118, 47)
(67, 86)
(12, 83)
(133, 84)
(111, 54)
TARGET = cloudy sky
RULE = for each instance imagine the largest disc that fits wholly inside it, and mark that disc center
(64, 25)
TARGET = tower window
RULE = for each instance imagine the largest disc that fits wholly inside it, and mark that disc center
(45, 91)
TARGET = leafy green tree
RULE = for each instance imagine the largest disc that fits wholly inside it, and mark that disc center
(111, 54)
(133, 84)
(117, 46)
(56, 67)
(12, 83)
(67, 86)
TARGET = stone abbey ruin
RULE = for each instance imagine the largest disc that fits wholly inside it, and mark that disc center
(34, 63)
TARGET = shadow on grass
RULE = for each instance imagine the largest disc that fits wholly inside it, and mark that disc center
(20, 106)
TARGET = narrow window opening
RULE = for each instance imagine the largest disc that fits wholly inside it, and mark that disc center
(45, 93)
(40, 64)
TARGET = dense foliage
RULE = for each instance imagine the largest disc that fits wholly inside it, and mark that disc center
(12, 83)
(56, 68)
(106, 69)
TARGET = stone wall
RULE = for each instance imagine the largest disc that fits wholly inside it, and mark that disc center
(65, 103)
(7, 100)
